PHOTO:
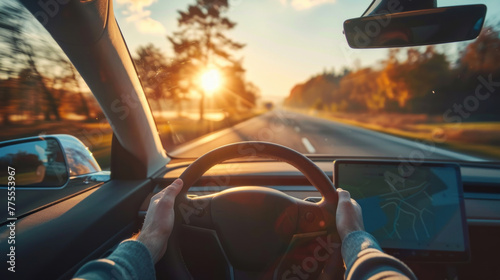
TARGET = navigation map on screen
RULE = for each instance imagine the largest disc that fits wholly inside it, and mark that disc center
(407, 207)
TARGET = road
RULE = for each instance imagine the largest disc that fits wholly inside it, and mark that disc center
(311, 135)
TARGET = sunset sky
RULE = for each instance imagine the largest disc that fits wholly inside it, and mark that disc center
(287, 41)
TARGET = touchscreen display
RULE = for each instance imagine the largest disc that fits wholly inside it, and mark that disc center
(417, 210)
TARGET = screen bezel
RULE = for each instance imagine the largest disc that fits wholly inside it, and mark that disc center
(421, 255)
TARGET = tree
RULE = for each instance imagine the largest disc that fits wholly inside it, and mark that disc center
(71, 96)
(19, 54)
(201, 42)
(482, 54)
(155, 74)
(237, 93)
(10, 56)
(37, 76)
(362, 90)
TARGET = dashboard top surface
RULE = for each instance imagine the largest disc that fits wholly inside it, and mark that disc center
(470, 174)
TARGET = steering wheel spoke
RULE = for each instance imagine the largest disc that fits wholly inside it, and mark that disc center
(195, 211)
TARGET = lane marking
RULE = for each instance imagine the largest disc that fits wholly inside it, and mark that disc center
(309, 147)
(297, 129)
(405, 142)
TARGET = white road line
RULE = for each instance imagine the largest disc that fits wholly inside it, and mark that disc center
(297, 129)
(406, 142)
(309, 147)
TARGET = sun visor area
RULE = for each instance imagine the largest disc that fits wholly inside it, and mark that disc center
(88, 19)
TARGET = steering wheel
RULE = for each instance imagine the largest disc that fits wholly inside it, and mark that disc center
(257, 230)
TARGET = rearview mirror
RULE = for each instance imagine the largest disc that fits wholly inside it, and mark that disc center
(416, 28)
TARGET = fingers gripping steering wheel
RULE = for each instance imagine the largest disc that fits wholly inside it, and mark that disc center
(256, 227)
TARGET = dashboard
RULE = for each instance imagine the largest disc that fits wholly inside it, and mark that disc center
(481, 185)
(480, 201)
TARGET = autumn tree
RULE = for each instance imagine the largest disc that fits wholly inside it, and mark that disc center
(362, 90)
(412, 80)
(482, 55)
(480, 61)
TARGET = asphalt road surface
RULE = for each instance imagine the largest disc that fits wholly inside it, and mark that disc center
(311, 135)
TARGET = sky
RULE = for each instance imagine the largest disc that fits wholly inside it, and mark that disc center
(287, 41)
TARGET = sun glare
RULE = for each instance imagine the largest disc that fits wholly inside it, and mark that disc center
(210, 80)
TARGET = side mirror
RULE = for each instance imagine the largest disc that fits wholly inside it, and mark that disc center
(415, 28)
(44, 162)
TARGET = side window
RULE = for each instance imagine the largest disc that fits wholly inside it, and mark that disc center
(41, 93)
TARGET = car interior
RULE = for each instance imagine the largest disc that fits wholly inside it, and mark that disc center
(252, 209)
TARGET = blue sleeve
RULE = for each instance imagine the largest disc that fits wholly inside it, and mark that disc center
(364, 259)
(131, 260)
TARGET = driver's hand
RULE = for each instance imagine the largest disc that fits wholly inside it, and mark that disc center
(349, 215)
(159, 220)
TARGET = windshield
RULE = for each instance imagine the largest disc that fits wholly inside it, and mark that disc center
(218, 72)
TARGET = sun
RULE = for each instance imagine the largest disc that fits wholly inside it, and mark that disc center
(211, 80)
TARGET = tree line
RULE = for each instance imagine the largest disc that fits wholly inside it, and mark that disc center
(37, 81)
(414, 80)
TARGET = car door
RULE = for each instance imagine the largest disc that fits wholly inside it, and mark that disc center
(55, 228)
